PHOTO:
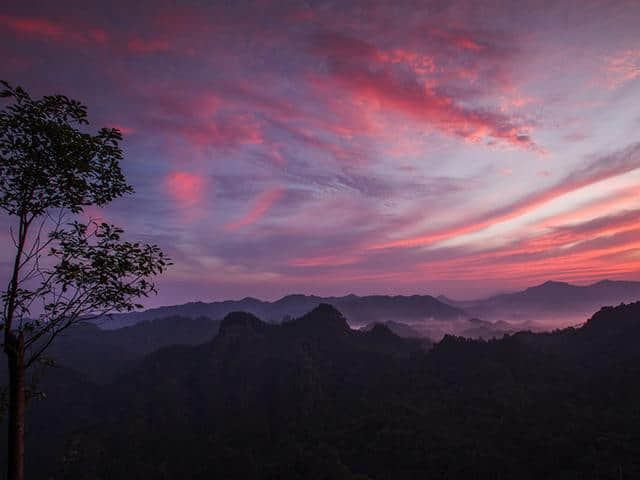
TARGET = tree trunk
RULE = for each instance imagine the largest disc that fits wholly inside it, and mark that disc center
(15, 460)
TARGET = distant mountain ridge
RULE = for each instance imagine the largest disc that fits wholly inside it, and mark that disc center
(546, 306)
(358, 310)
(551, 299)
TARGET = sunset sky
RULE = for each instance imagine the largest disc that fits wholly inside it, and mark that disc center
(451, 147)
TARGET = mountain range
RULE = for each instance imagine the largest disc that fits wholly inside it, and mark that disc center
(542, 307)
(551, 304)
(358, 310)
(313, 398)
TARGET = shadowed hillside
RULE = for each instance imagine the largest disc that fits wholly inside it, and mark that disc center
(311, 398)
(100, 354)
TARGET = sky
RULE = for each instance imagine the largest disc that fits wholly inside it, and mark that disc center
(332, 147)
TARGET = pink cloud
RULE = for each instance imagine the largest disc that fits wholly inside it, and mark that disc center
(139, 45)
(467, 43)
(601, 169)
(457, 38)
(32, 26)
(441, 111)
(41, 27)
(421, 64)
(185, 188)
(548, 256)
(356, 67)
(622, 68)
(92, 213)
(324, 261)
(618, 201)
(578, 253)
(231, 130)
(124, 130)
(259, 208)
(198, 120)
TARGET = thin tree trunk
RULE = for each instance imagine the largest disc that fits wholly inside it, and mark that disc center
(14, 348)
(15, 460)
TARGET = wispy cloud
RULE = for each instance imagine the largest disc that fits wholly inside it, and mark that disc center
(258, 209)
(596, 171)
(370, 75)
(622, 68)
(50, 30)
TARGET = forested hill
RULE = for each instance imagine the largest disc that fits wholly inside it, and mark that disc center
(313, 399)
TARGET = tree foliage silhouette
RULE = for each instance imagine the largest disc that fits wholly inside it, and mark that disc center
(64, 271)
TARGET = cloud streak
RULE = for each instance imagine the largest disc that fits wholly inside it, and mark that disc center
(258, 209)
(50, 30)
(601, 169)
(370, 76)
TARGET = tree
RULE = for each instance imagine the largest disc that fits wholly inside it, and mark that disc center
(64, 271)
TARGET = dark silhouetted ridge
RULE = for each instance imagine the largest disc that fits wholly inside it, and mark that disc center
(400, 329)
(623, 320)
(379, 329)
(241, 321)
(323, 319)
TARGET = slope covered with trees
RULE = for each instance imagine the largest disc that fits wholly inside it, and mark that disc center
(312, 398)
